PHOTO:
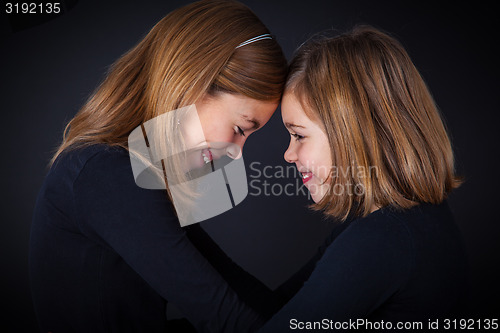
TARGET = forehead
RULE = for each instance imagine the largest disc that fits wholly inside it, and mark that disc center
(292, 110)
(235, 107)
(244, 105)
(294, 115)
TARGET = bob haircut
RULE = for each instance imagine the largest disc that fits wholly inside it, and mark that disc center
(385, 132)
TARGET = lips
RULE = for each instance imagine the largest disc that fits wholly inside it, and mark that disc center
(207, 155)
(306, 176)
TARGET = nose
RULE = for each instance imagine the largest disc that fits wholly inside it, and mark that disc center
(290, 154)
(235, 149)
(241, 141)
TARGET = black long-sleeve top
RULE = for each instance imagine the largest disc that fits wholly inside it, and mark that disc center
(397, 266)
(106, 255)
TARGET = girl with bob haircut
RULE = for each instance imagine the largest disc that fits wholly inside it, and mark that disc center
(372, 149)
(106, 254)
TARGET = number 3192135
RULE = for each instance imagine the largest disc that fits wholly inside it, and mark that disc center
(32, 8)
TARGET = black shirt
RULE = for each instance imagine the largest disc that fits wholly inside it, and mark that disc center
(398, 266)
(105, 255)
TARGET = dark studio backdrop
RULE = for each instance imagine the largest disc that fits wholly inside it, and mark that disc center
(48, 69)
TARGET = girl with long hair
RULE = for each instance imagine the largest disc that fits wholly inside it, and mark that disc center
(105, 254)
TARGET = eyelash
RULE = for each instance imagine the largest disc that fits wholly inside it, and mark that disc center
(297, 136)
(239, 131)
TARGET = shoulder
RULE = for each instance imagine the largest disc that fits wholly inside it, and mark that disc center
(71, 163)
(384, 227)
(93, 163)
(103, 169)
(104, 188)
(96, 154)
(393, 236)
(401, 225)
(379, 244)
(373, 254)
(98, 173)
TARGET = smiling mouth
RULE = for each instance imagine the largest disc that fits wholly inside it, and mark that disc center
(306, 176)
(207, 155)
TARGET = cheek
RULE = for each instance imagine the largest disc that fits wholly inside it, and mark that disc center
(218, 133)
(307, 156)
(322, 162)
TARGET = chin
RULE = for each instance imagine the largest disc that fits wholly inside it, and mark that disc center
(317, 198)
(316, 193)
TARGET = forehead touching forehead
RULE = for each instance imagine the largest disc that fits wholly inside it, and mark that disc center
(300, 104)
(255, 113)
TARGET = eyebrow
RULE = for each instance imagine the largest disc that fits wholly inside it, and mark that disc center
(255, 123)
(291, 125)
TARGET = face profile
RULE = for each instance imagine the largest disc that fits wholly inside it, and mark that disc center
(203, 165)
(202, 133)
(225, 118)
(308, 149)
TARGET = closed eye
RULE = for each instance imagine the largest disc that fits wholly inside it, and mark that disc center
(240, 131)
(297, 137)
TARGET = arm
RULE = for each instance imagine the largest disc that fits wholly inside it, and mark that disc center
(249, 289)
(291, 286)
(140, 226)
(360, 270)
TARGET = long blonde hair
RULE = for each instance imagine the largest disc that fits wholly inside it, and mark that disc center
(189, 53)
(384, 129)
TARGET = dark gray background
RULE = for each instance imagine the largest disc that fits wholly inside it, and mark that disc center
(48, 71)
